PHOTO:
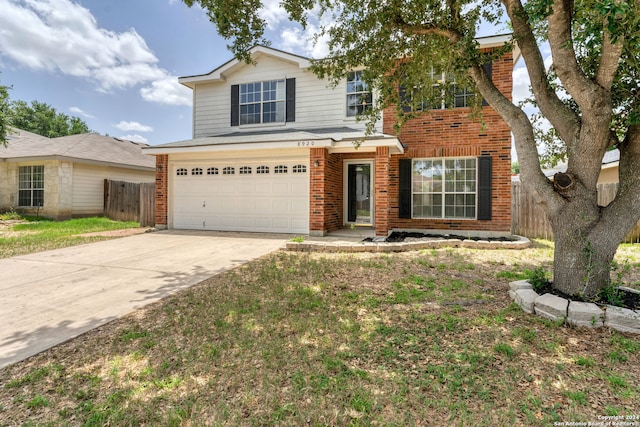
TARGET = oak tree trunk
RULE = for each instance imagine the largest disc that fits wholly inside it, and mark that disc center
(582, 262)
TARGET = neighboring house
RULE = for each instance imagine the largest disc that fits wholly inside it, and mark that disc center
(64, 177)
(608, 173)
(610, 164)
(273, 150)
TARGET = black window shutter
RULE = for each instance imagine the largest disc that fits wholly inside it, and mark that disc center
(488, 68)
(235, 105)
(404, 189)
(484, 188)
(405, 100)
(291, 100)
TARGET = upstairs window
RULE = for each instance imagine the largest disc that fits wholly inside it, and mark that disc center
(31, 186)
(262, 102)
(359, 97)
(272, 101)
(444, 93)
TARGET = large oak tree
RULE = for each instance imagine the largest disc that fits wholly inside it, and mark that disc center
(589, 95)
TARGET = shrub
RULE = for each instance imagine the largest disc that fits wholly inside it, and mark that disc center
(539, 280)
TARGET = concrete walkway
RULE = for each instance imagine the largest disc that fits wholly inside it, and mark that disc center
(50, 297)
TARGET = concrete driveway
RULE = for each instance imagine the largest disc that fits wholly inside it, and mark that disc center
(49, 297)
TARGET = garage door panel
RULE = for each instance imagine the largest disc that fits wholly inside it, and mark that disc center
(245, 188)
(281, 188)
(299, 206)
(228, 188)
(262, 187)
(298, 187)
(258, 202)
(247, 205)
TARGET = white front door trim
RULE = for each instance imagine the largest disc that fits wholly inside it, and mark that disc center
(345, 204)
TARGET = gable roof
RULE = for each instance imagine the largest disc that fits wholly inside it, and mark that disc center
(221, 73)
(84, 148)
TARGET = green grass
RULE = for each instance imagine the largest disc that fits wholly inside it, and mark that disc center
(40, 234)
(333, 339)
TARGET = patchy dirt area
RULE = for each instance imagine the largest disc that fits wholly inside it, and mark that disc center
(415, 338)
(7, 225)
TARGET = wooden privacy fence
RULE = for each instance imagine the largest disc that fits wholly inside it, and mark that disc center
(528, 218)
(130, 201)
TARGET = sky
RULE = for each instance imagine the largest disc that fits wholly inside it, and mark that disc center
(115, 63)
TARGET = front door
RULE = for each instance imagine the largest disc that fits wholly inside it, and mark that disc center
(359, 194)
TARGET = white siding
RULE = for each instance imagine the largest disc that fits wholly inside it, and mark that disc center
(88, 185)
(318, 104)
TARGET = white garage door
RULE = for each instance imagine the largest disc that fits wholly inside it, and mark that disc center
(242, 196)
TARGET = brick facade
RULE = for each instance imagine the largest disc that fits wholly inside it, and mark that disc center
(435, 134)
(162, 184)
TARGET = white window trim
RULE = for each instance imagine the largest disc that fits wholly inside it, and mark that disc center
(262, 102)
(444, 193)
(31, 188)
(347, 93)
(345, 190)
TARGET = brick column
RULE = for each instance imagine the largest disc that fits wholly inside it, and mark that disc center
(381, 209)
(317, 226)
(162, 185)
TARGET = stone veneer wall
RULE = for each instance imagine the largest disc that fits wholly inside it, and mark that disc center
(58, 181)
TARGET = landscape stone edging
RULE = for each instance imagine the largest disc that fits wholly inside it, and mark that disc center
(575, 313)
(341, 246)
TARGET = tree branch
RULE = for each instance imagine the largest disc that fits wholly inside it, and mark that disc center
(609, 61)
(525, 143)
(563, 119)
(581, 89)
(424, 29)
(628, 197)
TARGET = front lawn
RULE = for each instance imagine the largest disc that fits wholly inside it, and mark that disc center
(40, 234)
(415, 338)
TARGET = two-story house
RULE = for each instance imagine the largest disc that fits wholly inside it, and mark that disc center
(273, 151)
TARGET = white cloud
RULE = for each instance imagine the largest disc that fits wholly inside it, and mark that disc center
(133, 126)
(167, 91)
(296, 40)
(272, 13)
(61, 36)
(81, 112)
(135, 138)
(303, 41)
(521, 84)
